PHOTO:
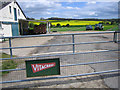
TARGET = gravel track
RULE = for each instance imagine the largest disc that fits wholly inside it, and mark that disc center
(94, 81)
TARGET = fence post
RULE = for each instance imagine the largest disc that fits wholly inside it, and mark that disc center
(10, 47)
(73, 40)
(115, 37)
(47, 27)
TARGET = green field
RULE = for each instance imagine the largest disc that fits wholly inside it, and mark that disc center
(110, 27)
(106, 28)
(68, 29)
(76, 25)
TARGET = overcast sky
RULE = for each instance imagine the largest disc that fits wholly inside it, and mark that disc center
(70, 8)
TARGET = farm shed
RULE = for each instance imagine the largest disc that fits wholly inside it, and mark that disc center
(10, 13)
(42, 27)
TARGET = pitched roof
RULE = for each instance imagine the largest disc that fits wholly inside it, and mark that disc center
(4, 3)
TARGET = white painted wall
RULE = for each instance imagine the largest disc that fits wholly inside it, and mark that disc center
(7, 30)
(1, 33)
(5, 14)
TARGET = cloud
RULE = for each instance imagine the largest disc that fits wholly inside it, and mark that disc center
(76, 8)
(110, 10)
(68, 0)
(48, 8)
(93, 14)
(48, 13)
(91, 2)
(69, 7)
(41, 9)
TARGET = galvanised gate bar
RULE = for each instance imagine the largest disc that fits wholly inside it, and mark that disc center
(115, 40)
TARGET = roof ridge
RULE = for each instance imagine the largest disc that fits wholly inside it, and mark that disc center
(4, 3)
(7, 0)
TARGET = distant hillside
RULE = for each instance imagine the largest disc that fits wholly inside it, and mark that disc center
(86, 19)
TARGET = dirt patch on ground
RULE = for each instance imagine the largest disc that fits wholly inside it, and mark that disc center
(94, 81)
(20, 42)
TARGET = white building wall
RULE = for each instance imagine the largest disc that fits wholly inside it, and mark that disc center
(7, 31)
(5, 14)
(1, 33)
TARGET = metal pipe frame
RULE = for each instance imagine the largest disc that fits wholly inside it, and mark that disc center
(47, 78)
(99, 51)
(105, 61)
(115, 37)
(10, 45)
(28, 36)
(73, 40)
(59, 44)
(73, 43)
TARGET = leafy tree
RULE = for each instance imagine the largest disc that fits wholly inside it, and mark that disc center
(63, 25)
(107, 22)
(30, 18)
(58, 25)
(67, 25)
(112, 22)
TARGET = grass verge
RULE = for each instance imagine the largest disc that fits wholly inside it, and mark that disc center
(7, 64)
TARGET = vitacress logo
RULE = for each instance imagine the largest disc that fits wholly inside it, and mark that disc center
(42, 66)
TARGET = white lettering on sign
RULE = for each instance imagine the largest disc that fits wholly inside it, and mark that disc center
(41, 66)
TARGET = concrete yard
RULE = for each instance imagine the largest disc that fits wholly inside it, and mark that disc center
(109, 80)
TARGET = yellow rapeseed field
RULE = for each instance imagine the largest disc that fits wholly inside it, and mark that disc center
(74, 22)
(70, 22)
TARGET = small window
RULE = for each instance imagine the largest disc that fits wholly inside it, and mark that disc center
(0, 25)
(10, 9)
(18, 12)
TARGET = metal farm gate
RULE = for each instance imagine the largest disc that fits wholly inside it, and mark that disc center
(115, 40)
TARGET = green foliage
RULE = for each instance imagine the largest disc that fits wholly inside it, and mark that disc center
(43, 23)
(67, 25)
(58, 25)
(7, 64)
(31, 25)
(63, 26)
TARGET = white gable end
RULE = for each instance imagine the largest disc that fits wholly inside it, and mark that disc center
(8, 13)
